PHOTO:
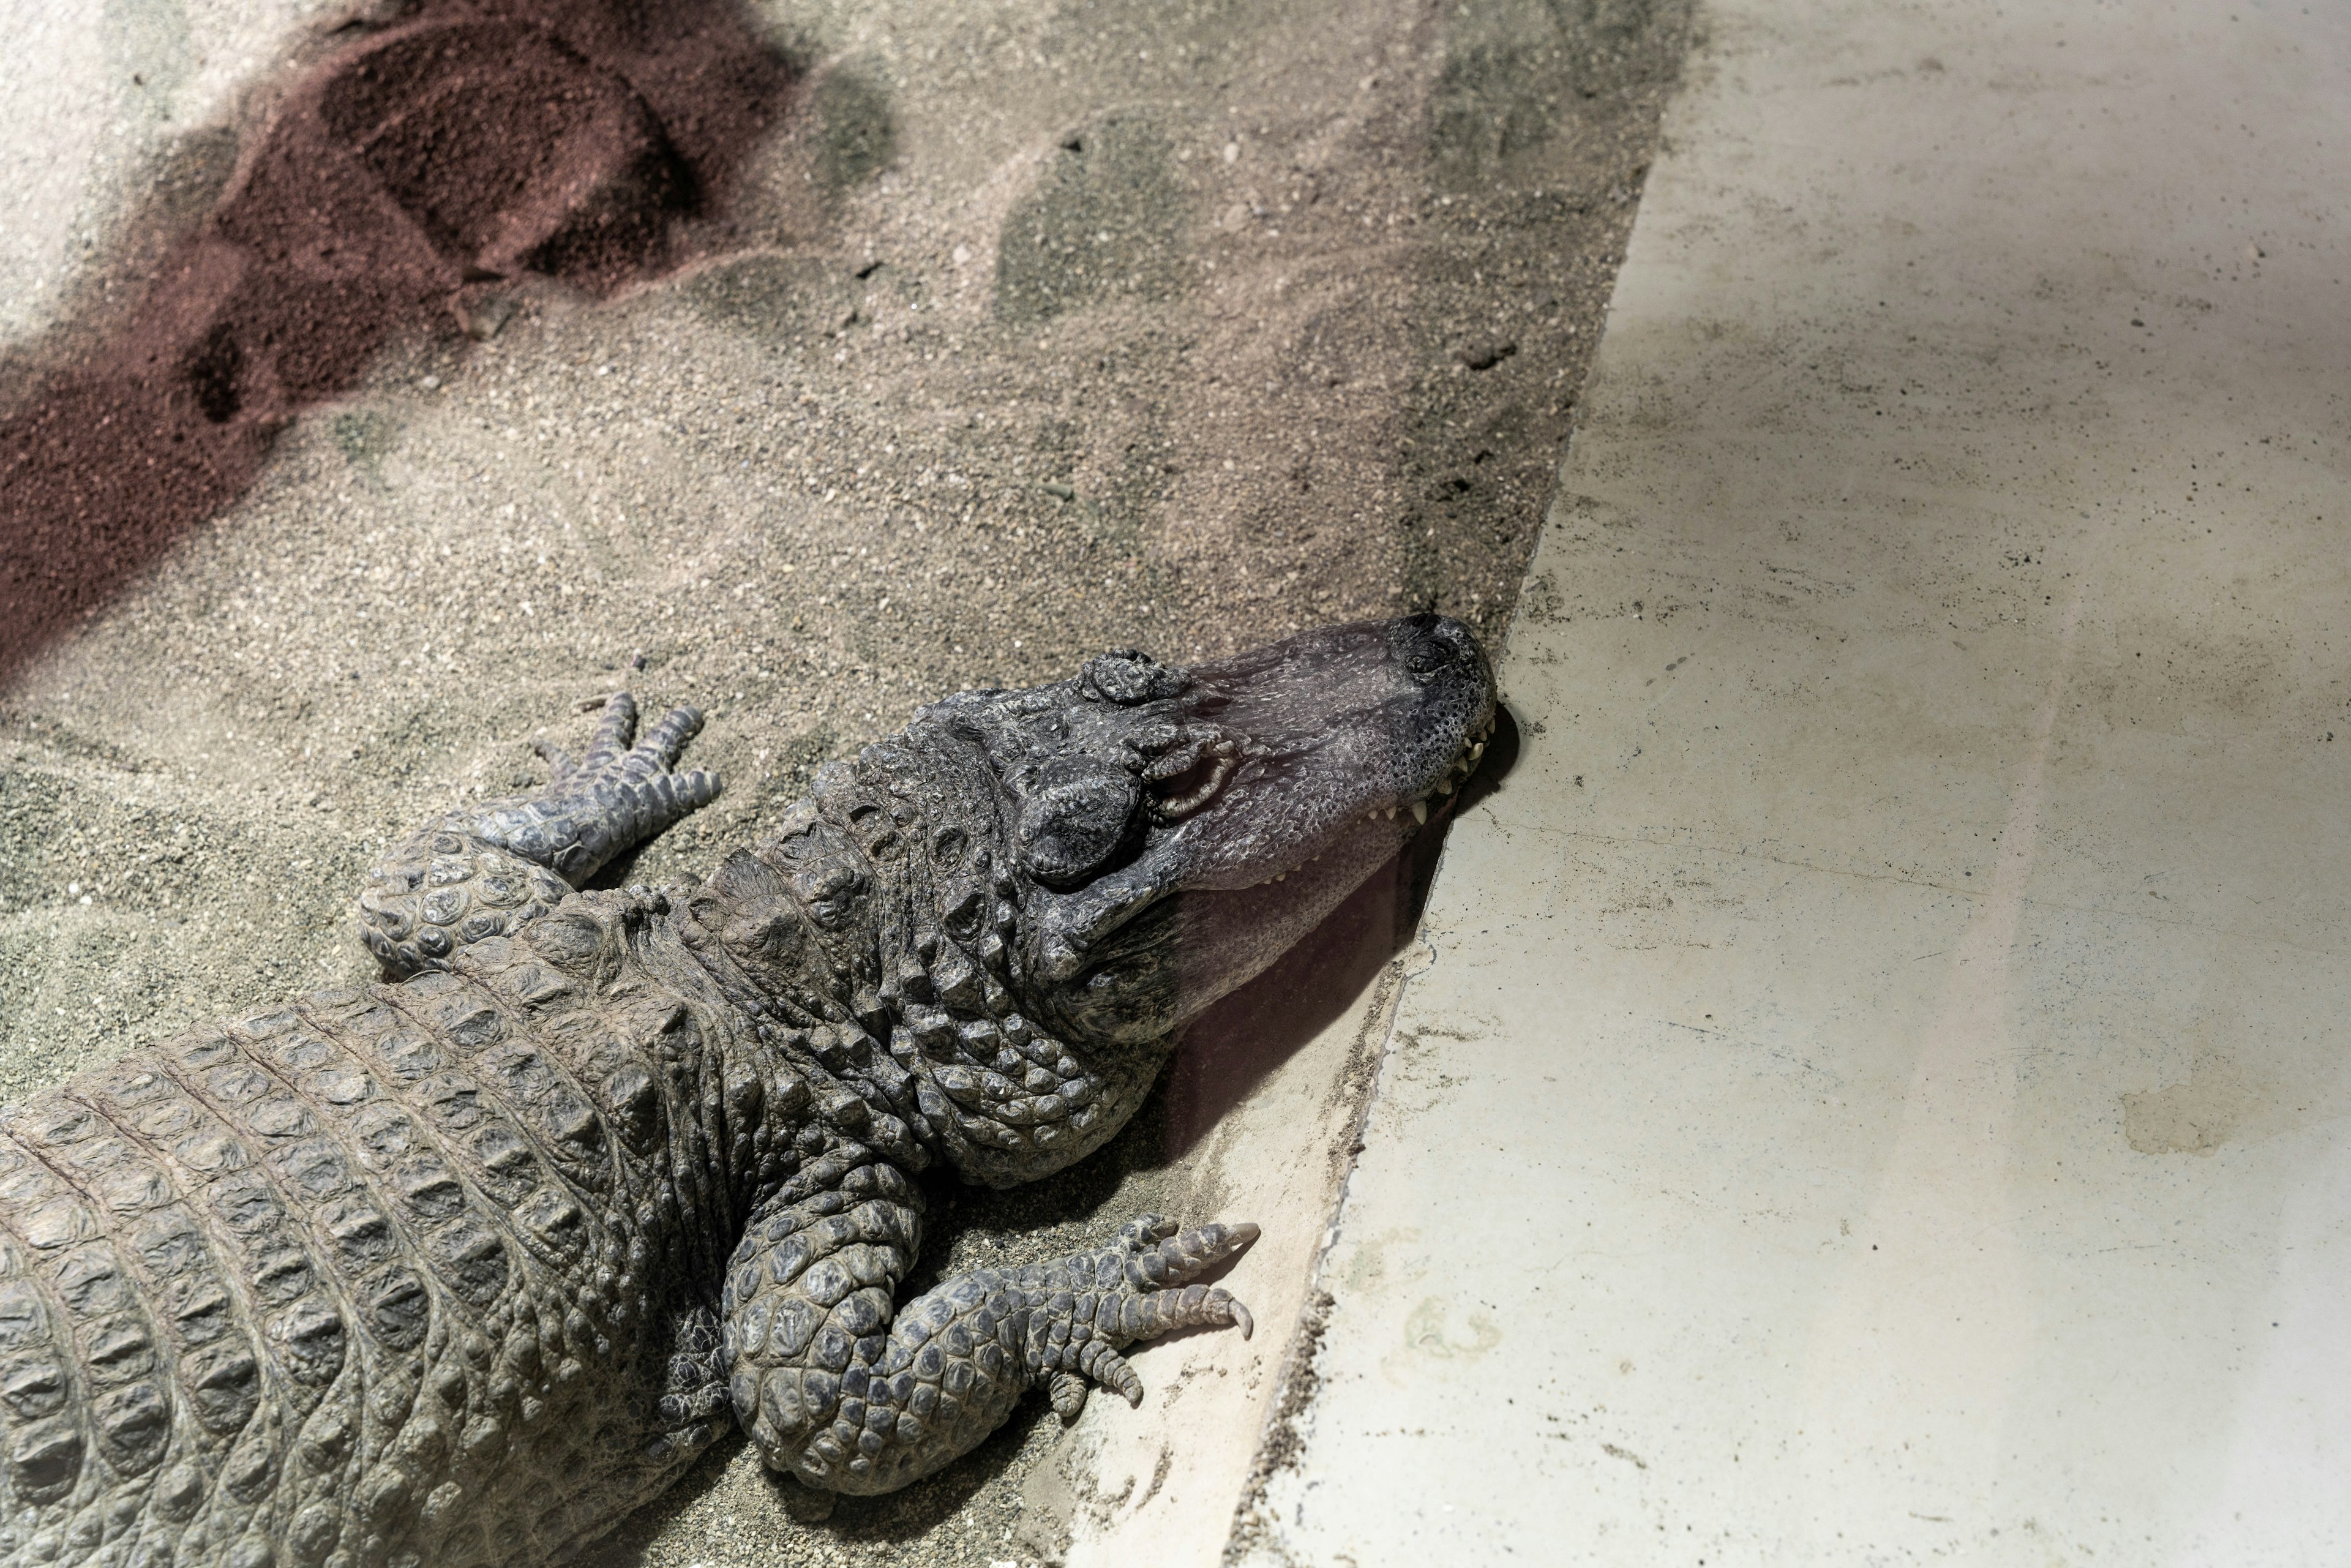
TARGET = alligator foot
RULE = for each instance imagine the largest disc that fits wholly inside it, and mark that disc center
(1136, 1289)
(487, 870)
(615, 798)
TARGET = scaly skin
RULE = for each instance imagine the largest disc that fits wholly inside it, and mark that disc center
(462, 1267)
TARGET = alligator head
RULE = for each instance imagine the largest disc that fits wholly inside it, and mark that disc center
(1032, 890)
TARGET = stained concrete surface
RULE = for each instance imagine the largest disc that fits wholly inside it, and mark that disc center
(1041, 327)
(1877, 1092)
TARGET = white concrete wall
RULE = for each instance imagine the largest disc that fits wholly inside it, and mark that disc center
(1880, 1092)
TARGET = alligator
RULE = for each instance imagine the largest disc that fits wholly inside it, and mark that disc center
(461, 1267)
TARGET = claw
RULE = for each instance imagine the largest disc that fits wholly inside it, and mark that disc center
(1194, 1250)
(1144, 1229)
(560, 765)
(1107, 1367)
(613, 732)
(659, 750)
(1157, 1312)
(593, 808)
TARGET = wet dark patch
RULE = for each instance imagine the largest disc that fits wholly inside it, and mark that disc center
(1515, 71)
(856, 136)
(1104, 221)
(1539, 135)
(365, 437)
(397, 179)
(773, 299)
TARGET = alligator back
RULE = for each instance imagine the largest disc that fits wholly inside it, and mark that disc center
(395, 1275)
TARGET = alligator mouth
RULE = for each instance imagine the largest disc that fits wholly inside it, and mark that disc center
(1433, 800)
(1337, 734)
(1457, 773)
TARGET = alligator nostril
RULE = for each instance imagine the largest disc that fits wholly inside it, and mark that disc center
(1432, 646)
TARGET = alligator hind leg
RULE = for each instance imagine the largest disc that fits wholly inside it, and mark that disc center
(838, 1389)
(487, 870)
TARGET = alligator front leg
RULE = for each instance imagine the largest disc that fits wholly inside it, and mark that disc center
(836, 1392)
(488, 871)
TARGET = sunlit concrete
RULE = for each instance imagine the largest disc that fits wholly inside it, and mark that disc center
(1878, 1090)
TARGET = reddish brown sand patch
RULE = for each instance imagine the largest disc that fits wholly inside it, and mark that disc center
(465, 144)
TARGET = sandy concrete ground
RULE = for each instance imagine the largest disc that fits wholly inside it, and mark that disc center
(1878, 1092)
(1043, 328)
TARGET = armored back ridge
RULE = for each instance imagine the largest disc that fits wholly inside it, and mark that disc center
(462, 1267)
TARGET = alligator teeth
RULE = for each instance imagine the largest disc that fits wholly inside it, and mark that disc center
(1420, 810)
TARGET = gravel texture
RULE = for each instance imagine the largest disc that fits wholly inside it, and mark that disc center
(1038, 329)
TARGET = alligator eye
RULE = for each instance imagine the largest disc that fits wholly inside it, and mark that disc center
(1179, 795)
(1075, 817)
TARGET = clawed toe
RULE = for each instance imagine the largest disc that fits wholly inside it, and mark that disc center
(607, 801)
(660, 749)
(1144, 1229)
(560, 765)
(1187, 1254)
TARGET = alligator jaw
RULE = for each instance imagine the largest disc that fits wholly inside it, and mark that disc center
(1398, 822)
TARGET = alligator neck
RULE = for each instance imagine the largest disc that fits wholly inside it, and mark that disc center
(874, 940)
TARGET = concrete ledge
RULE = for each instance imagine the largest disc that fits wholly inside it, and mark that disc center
(1879, 1090)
